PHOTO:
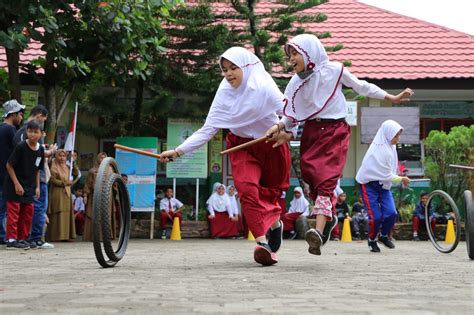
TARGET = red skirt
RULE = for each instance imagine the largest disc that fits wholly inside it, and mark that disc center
(289, 220)
(223, 226)
(261, 173)
(323, 151)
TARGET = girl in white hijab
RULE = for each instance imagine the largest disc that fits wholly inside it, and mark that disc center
(315, 96)
(299, 206)
(247, 102)
(375, 176)
(221, 217)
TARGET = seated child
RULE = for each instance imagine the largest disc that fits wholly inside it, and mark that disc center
(222, 221)
(170, 208)
(360, 219)
(299, 206)
(342, 211)
(78, 207)
(419, 215)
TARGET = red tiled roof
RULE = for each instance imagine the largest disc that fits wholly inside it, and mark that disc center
(387, 45)
(32, 52)
(380, 44)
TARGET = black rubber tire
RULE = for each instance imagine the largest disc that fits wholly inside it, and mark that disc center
(107, 175)
(469, 226)
(457, 219)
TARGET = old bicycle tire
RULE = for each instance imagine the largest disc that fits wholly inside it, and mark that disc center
(108, 177)
(457, 220)
(469, 226)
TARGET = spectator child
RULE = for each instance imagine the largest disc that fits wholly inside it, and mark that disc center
(221, 217)
(360, 219)
(342, 212)
(170, 208)
(419, 215)
(79, 208)
(299, 206)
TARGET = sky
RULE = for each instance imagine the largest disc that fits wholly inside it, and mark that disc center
(455, 14)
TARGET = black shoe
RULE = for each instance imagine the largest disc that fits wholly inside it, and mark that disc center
(416, 238)
(292, 235)
(18, 245)
(3, 242)
(356, 237)
(264, 255)
(330, 225)
(275, 238)
(163, 234)
(384, 240)
(315, 241)
(32, 244)
(373, 247)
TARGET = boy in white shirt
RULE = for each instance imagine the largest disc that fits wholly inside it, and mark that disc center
(170, 208)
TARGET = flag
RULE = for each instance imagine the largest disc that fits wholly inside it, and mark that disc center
(69, 145)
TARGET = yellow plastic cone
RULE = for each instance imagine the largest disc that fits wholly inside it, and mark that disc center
(250, 236)
(175, 231)
(346, 231)
(450, 235)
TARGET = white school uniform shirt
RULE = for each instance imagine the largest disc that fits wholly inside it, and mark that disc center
(249, 110)
(78, 203)
(165, 204)
(300, 205)
(317, 92)
(234, 206)
(380, 163)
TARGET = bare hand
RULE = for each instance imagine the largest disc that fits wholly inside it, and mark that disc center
(85, 200)
(19, 190)
(235, 219)
(273, 131)
(211, 216)
(168, 156)
(405, 181)
(403, 97)
(282, 138)
(37, 193)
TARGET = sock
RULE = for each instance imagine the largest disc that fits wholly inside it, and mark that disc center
(279, 225)
(415, 234)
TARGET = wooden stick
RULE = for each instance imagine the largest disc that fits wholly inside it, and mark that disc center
(463, 167)
(122, 147)
(415, 180)
(244, 145)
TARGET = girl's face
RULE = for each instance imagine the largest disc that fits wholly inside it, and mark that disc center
(231, 191)
(232, 73)
(396, 139)
(221, 190)
(296, 60)
(297, 194)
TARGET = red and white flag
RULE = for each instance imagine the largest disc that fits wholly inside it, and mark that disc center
(71, 136)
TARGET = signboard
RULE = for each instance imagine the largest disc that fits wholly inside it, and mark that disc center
(192, 165)
(215, 157)
(141, 171)
(372, 117)
(351, 113)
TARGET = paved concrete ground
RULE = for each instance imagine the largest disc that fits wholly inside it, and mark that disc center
(219, 276)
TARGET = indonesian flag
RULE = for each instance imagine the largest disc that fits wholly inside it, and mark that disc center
(71, 136)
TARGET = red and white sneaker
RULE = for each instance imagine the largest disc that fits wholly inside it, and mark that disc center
(264, 255)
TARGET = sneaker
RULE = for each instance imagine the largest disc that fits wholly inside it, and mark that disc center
(415, 238)
(163, 235)
(3, 242)
(44, 245)
(315, 241)
(373, 247)
(292, 235)
(356, 237)
(264, 255)
(385, 240)
(18, 245)
(275, 238)
(328, 229)
(32, 244)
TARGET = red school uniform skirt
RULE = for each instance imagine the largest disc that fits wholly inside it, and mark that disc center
(323, 150)
(261, 173)
(223, 226)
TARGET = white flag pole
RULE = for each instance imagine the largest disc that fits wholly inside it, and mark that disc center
(73, 140)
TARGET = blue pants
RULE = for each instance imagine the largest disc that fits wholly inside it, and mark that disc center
(381, 208)
(3, 214)
(39, 216)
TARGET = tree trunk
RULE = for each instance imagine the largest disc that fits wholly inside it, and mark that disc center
(51, 105)
(138, 107)
(13, 61)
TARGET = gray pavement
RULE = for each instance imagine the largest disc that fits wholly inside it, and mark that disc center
(219, 276)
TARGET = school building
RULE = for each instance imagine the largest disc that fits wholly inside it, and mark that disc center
(388, 49)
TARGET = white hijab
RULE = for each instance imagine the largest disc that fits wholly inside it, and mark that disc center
(310, 91)
(300, 204)
(218, 202)
(380, 163)
(251, 101)
(233, 201)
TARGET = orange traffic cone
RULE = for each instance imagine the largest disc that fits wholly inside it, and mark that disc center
(346, 231)
(450, 235)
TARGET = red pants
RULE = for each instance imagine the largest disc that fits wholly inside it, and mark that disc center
(79, 221)
(260, 174)
(164, 218)
(223, 226)
(417, 221)
(289, 220)
(323, 150)
(19, 219)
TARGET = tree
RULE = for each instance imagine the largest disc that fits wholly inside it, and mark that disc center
(443, 149)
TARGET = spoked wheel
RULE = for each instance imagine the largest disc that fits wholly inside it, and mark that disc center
(111, 214)
(469, 219)
(444, 239)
